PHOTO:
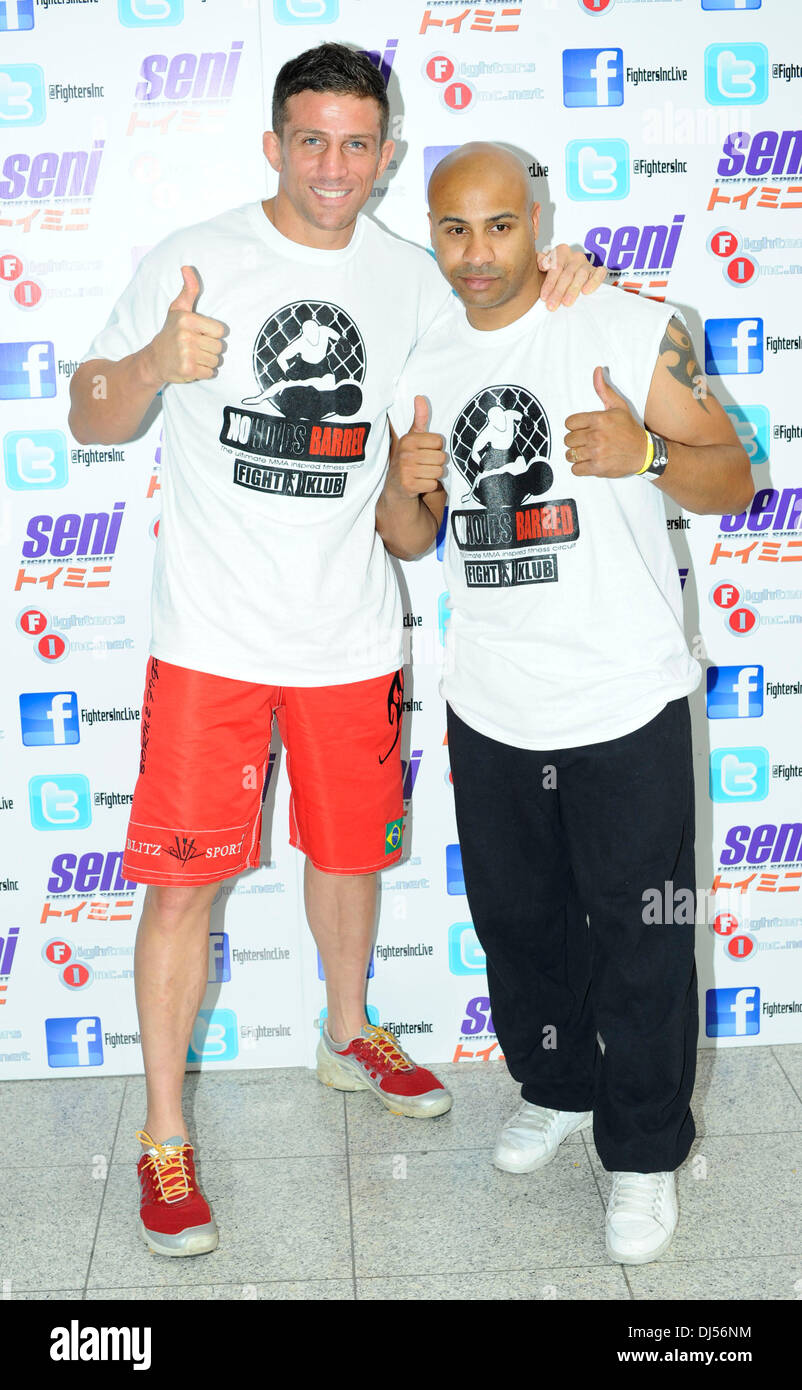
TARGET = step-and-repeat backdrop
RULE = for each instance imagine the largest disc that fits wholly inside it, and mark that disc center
(661, 134)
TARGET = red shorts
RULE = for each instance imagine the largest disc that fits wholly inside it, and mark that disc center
(197, 810)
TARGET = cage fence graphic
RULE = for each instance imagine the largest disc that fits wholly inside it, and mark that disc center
(528, 438)
(345, 354)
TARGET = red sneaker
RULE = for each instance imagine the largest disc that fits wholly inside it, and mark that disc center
(174, 1215)
(375, 1062)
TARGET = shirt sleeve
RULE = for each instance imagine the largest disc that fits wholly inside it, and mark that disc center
(434, 298)
(435, 294)
(141, 309)
(402, 408)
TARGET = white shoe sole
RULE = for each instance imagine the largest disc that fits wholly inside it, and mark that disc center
(639, 1259)
(200, 1242)
(342, 1077)
(532, 1165)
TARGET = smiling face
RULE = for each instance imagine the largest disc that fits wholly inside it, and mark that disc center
(483, 228)
(328, 158)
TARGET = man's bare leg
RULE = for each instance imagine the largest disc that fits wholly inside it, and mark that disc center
(342, 914)
(171, 970)
(341, 909)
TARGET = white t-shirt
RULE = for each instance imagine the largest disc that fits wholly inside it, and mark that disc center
(268, 567)
(566, 614)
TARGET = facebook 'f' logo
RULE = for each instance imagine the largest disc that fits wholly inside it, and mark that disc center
(733, 346)
(732, 1013)
(74, 1042)
(15, 15)
(49, 717)
(27, 371)
(593, 77)
(736, 74)
(596, 169)
(219, 958)
(455, 879)
(734, 692)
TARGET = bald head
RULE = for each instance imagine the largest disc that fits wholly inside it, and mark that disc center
(484, 224)
(481, 165)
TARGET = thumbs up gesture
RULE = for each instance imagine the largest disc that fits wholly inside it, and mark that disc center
(189, 346)
(606, 443)
(417, 459)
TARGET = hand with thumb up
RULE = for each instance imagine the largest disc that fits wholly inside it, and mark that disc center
(189, 345)
(606, 443)
(417, 459)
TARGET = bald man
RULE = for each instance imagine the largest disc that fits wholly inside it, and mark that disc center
(567, 674)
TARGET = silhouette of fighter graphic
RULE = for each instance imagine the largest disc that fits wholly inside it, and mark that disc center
(505, 477)
(308, 388)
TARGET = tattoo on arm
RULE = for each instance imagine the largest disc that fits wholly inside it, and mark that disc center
(677, 348)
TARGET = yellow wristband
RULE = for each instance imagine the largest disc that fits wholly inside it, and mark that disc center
(649, 454)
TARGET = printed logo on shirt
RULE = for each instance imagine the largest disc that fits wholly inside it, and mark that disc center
(309, 361)
(500, 445)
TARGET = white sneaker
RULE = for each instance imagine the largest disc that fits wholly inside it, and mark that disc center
(532, 1137)
(641, 1217)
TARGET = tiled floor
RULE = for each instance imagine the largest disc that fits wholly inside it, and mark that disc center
(321, 1195)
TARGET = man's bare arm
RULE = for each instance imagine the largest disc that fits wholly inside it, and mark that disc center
(708, 471)
(410, 508)
(110, 399)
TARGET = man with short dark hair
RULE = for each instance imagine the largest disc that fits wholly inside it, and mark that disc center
(567, 674)
(272, 594)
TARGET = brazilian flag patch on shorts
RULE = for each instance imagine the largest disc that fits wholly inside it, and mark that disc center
(393, 832)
